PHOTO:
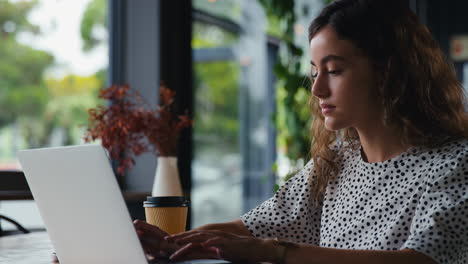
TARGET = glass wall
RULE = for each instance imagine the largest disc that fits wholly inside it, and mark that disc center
(216, 167)
(54, 60)
(234, 139)
(217, 182)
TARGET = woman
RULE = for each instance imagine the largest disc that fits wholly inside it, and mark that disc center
(388, 179)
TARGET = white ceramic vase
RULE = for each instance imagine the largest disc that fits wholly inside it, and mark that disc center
(167, 182)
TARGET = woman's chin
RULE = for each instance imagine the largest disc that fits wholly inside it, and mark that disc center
(332, 124)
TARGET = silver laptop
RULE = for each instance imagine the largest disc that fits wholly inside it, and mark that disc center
(82, 206)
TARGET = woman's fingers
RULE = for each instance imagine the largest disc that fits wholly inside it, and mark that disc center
(147, 249)
(195, 234)
(149, 229)
(217, 245)
(192, 244)
(194, 251)
(214, 242)
(174, 237)
(184, 251)
(164, 254)
(154, 244)
(204, 253)
(192, 238)
(150, 245)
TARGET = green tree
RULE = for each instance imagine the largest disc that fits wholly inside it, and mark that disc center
(23, 93)
(21, 68)
(93, 28)
(293, 117)
(217, 91)
(216, 100)
(70, 98)
(94, 20)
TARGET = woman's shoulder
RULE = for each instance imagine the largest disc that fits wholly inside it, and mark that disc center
(445, 160)
(451, 150)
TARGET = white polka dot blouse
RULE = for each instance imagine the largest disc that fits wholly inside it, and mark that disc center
(417, 200)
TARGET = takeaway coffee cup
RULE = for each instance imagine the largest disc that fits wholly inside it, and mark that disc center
(169, 213)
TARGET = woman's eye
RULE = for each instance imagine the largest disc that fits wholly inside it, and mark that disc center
(334, 72)
(313, 72)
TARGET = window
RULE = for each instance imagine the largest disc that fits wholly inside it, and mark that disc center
(233, 131)
(216, 167)
(54, 60)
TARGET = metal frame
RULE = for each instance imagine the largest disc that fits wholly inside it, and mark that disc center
(211, 19)
(116, 20)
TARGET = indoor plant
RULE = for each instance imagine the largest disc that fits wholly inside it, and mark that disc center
(127, 127)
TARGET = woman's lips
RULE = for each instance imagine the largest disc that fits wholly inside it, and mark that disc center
(326, 108)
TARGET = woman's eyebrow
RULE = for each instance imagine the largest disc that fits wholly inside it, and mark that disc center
(329, 58)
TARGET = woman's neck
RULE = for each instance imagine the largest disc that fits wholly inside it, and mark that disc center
(380, 143)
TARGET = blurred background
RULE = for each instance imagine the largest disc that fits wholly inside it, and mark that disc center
(238, 66)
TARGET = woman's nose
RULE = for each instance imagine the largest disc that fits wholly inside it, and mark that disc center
(320, 89)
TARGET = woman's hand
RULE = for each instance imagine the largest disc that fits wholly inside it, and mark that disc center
(152, 240)
(154, 244)
(223, 245)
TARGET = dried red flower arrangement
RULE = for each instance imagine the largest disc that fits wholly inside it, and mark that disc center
(123, 125)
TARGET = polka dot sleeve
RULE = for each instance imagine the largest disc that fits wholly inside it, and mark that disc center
(439, 228)
(288, 215)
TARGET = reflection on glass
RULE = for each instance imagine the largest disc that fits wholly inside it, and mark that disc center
(228, 9)
(210, 36)
(217, 182)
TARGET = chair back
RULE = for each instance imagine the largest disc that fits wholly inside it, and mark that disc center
(13, 186)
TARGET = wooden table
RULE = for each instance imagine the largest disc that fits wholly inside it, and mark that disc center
(32, 248)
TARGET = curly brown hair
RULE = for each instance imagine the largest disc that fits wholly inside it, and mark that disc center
(418, 88)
